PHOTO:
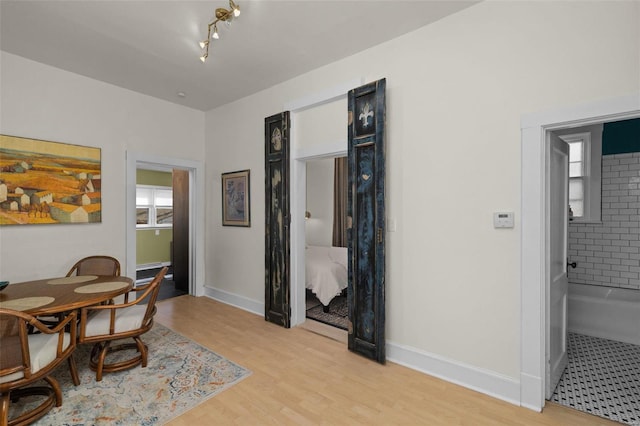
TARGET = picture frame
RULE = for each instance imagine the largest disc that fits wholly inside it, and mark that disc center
(44, 182)
(236, 202)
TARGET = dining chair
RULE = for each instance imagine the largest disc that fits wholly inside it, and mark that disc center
(96, 265)
(26, 358)
(102, 324)
(91, 265)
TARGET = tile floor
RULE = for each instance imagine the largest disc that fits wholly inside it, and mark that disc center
(603, 378)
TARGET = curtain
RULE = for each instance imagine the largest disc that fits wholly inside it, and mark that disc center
(340, 182)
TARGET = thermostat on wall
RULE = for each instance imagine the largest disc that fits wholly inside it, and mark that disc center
(503, 220)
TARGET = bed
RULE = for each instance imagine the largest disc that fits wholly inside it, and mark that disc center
(326, 271)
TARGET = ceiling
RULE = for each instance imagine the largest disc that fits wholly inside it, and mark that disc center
(151, 47)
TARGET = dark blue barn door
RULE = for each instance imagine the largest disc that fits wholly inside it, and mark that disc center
(366, 214)
(277, 277)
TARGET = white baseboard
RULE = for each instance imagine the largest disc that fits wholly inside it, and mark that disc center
(244, 303)
(142, 281)
(531, 397)
(146, 266)
(478, 379)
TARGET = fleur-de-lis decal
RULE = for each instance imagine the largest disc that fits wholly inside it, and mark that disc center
(365, 114)
(276, 139)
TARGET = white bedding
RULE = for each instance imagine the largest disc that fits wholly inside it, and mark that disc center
(326, 271)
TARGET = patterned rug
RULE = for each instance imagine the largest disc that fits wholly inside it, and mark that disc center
(180, 374)
(338, 315)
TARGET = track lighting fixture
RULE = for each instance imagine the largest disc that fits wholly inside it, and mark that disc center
(222, 15)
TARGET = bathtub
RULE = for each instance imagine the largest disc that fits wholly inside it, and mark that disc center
(609, 313)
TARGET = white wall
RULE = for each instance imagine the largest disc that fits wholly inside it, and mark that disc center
(43, 102)
(456, 91)
(319, 227)
(321, 125)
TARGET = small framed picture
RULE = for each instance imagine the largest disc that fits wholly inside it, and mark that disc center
(235, 199)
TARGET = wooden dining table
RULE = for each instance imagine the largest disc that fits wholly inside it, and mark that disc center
(50, 296)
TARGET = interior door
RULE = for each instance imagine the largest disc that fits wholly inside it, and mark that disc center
(277, 220)
(557, 297)
(366, 220)
(180, 246)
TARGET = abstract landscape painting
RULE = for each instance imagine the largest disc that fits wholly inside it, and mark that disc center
(45, 182)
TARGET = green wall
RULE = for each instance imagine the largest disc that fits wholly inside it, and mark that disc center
(621, 137)
(152, 177)
(152, 248)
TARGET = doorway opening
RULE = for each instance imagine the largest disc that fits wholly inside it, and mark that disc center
(326, 267)
(535, 221)
(162, 227)
(192, 215)
(365, 209)
(603, 272)
(318, 130)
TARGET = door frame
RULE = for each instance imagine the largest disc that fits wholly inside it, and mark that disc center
(534, 210)
(136, 160)
(298, 237)
(298, 162)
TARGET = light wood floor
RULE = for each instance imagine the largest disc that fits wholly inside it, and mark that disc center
(300, 377)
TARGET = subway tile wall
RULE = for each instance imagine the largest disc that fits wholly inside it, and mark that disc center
(608, 254)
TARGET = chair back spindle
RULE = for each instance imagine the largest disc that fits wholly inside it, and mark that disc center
(96, 265)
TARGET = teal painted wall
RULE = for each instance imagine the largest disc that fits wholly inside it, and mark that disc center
(621, 137)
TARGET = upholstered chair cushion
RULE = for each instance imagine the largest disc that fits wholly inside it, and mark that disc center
(104, 324)
(127, 319)
(42, 351)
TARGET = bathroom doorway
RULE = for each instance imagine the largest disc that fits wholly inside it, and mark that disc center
(602, 375)
(534, 212)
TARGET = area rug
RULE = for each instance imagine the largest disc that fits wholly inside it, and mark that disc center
(180, 374)
(338, 315)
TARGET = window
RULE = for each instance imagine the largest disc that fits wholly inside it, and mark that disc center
(154, 206)
(142, 216)
(585, 153)
(577, 177)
